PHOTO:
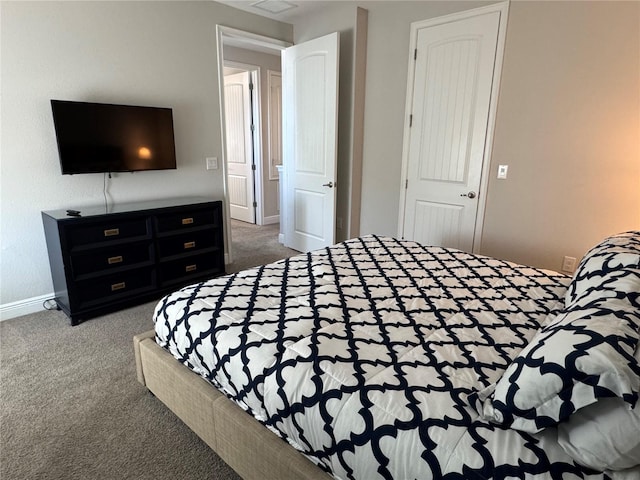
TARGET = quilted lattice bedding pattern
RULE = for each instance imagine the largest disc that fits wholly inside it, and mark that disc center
(363, 355)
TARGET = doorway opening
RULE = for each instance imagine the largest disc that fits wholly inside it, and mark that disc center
(250, 186)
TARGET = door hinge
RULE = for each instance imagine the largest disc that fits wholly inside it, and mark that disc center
(253, 167)
(251, 86)
(255, 204)
(410, 120)
(415, 54)
(253, 127)
(406, 184)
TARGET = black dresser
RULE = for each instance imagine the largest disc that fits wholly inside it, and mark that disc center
(108, 259)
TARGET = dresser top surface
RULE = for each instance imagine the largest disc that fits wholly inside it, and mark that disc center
(128, 207)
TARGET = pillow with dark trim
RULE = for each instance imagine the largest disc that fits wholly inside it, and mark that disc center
(605, 267)
(585, 354)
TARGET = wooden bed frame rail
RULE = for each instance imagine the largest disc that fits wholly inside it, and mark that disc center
(246, 445)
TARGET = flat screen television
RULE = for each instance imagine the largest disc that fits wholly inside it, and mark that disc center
(100, 137)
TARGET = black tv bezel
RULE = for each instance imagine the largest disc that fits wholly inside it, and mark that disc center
(66, 171)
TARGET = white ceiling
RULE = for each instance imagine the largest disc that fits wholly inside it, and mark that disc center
(301, 7)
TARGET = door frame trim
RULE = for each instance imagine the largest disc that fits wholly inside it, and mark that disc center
(270, 75)
(251, 41)
(503, 9)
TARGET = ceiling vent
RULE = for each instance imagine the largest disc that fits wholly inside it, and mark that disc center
(273, 6)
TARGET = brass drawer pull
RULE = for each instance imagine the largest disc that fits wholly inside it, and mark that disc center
(187, 221)
(114, 260)
(117, 286)
(190, 268)
(189, 245)
(112, 232)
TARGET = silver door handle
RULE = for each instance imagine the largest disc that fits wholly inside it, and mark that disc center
(470, 194)
(330, 184)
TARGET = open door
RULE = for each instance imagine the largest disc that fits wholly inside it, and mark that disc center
(240, 146)
(310, 117)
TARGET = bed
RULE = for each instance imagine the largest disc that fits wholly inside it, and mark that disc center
(380, 358)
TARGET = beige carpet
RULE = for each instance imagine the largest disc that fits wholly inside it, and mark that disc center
(254, 245)
(70, 405)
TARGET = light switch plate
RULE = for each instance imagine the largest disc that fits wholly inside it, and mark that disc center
(502, 171)
(212, 163)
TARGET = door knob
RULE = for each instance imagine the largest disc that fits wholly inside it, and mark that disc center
(470, 194)
(330, 184)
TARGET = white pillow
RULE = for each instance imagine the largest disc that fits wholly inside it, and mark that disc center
(604, 435)
(628, 474)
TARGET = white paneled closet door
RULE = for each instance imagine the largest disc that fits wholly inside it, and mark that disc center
(449, 118)
(237, 103)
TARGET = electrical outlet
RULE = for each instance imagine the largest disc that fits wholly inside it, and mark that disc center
(212, 163)
(569, 264)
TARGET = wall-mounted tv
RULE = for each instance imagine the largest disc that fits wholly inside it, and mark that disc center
(100, 137)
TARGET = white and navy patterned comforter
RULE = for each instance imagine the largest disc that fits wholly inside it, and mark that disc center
(363, 355)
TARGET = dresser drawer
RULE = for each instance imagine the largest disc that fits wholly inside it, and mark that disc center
(100, 261)
(108, 231)
(177, 221)
(186, 242)
(116, 286)
(192, 266)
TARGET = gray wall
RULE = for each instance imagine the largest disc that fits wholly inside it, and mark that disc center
(568, 125)
(144, 53)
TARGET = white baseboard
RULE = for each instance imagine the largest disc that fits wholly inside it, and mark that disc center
(271, 220)
(281, 238)
(23, 307)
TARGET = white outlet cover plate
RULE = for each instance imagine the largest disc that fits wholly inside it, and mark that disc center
(569, 264)
(502, 171)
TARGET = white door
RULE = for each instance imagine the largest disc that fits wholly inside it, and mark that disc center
(310, 112)
(237, 102)
(449, 105)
